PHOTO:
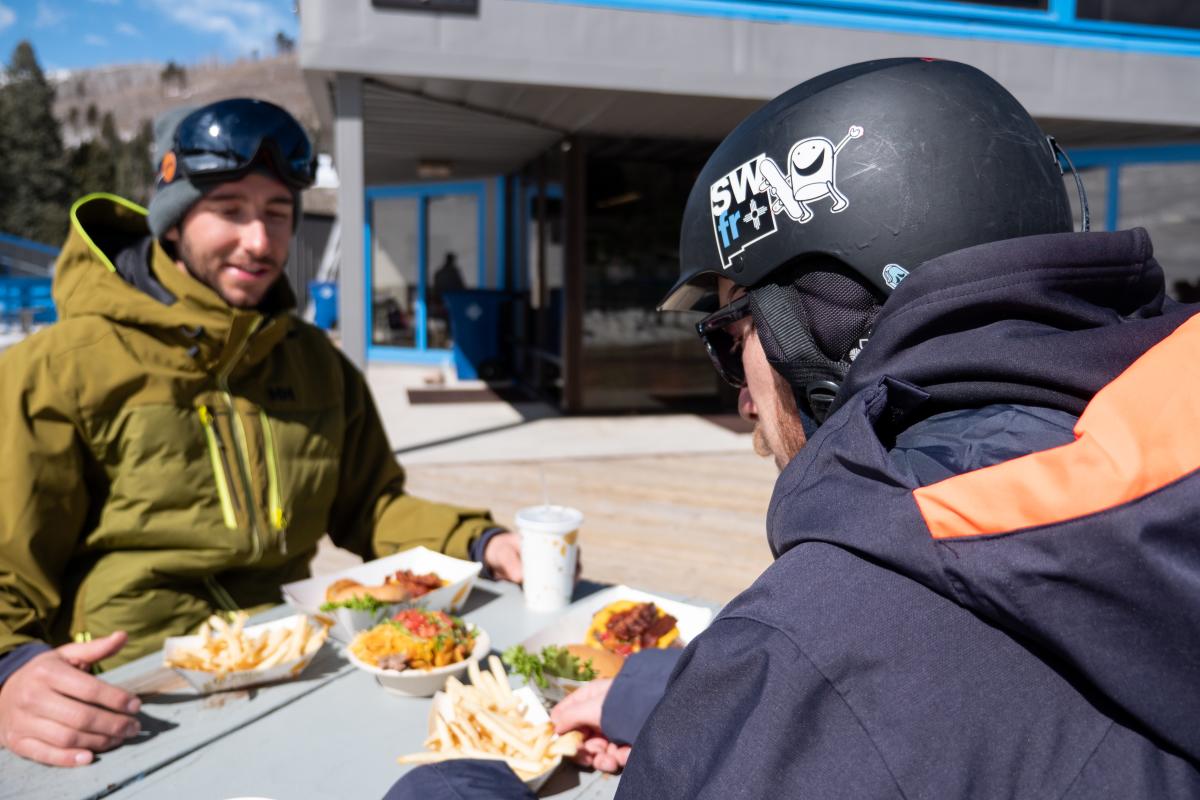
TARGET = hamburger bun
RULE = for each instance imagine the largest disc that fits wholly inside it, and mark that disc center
(606, 664)
(346, 589)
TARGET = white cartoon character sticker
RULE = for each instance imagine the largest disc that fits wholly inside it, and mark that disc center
(811, 175)
(746, 199)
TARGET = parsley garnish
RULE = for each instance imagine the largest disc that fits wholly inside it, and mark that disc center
(556, 661)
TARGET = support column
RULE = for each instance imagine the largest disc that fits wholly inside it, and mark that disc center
(352, 276)
(575, 212)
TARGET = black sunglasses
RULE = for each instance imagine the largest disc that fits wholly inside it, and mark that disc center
(226, 138)
(723, 348)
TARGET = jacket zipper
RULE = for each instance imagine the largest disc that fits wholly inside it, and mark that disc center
(223, 598)
(220, 466)
(239, 441)
(278, 520)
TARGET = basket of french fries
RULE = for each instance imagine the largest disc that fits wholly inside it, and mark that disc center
(489, 720)
(228, 654)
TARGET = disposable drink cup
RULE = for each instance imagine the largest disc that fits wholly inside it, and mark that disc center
(549, 550)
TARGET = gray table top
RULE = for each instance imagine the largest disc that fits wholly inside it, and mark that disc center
(333, 733)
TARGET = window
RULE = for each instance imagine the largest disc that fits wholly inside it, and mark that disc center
(1171, 13)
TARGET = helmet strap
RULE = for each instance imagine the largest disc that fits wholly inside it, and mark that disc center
(791, 351)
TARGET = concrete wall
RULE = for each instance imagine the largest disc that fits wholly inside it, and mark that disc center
(552, 44)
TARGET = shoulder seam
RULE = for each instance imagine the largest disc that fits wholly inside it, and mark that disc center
(1070, 786)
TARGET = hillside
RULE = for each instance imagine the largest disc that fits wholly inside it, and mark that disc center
(138, 92)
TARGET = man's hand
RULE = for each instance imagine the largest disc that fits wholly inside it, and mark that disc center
(54, 712)
(581, 711)
(503, 557)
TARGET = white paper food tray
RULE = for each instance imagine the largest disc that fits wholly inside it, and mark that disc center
(571, 627)
(534, 712)
(207, 682)
(308, 595)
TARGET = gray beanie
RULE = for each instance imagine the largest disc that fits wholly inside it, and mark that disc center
(171, 200)
(174, 198)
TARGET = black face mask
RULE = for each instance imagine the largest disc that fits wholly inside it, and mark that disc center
(809, 323)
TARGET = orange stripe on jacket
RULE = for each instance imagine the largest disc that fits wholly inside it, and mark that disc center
(1138, 434)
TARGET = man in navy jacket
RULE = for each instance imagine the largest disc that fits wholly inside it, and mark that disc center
(987, 576)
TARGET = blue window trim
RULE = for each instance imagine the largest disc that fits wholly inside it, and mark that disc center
(422, 312)
(409, 355)
(1057, 26)
(1112, 212)
(1085, 157)
(421, 353)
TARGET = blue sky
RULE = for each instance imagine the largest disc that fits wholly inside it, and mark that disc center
(69, 34)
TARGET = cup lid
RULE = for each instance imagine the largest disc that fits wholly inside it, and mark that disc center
(549, 519)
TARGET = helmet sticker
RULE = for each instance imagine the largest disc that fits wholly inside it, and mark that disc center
(741, 209)
(753, 193)
(893, 274)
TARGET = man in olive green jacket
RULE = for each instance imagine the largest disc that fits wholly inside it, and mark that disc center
(179, 441)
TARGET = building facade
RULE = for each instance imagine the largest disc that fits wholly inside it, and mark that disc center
(544, 149)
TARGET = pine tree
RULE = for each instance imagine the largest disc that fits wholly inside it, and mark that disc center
(33, 185)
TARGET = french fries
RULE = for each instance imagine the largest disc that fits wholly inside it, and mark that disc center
(486, 720)
(226, 647)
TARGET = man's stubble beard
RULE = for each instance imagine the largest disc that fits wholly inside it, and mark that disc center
(761, 448)
(184, 257)
(789, 436)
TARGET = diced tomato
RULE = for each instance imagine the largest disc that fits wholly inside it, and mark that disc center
(425, 624)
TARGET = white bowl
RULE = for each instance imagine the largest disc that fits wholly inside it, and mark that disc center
(424, 682)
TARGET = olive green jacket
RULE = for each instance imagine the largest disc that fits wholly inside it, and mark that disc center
(162, 461)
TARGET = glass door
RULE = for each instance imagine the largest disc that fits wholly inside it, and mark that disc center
(422, 242)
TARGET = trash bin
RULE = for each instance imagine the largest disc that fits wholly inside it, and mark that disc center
(325, 301)
(481, 327)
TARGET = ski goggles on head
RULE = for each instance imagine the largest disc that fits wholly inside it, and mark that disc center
(723, 347)
(225, 139)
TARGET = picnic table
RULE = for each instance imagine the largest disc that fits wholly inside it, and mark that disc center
(332, 733)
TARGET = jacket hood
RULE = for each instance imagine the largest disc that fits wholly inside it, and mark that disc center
(87, 282)
(1085, 552)
(1040, 320)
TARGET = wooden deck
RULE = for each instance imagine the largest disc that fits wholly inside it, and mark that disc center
(690, 525)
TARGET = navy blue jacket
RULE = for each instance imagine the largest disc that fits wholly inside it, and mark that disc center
(901, 647)
(873, 660)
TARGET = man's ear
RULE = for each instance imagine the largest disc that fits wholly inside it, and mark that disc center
(172, 234)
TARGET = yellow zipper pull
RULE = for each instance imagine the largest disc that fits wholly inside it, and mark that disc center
(216, 455)
(274, 498)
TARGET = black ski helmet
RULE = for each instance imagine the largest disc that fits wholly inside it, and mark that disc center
(880, 166)
(851, 180)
